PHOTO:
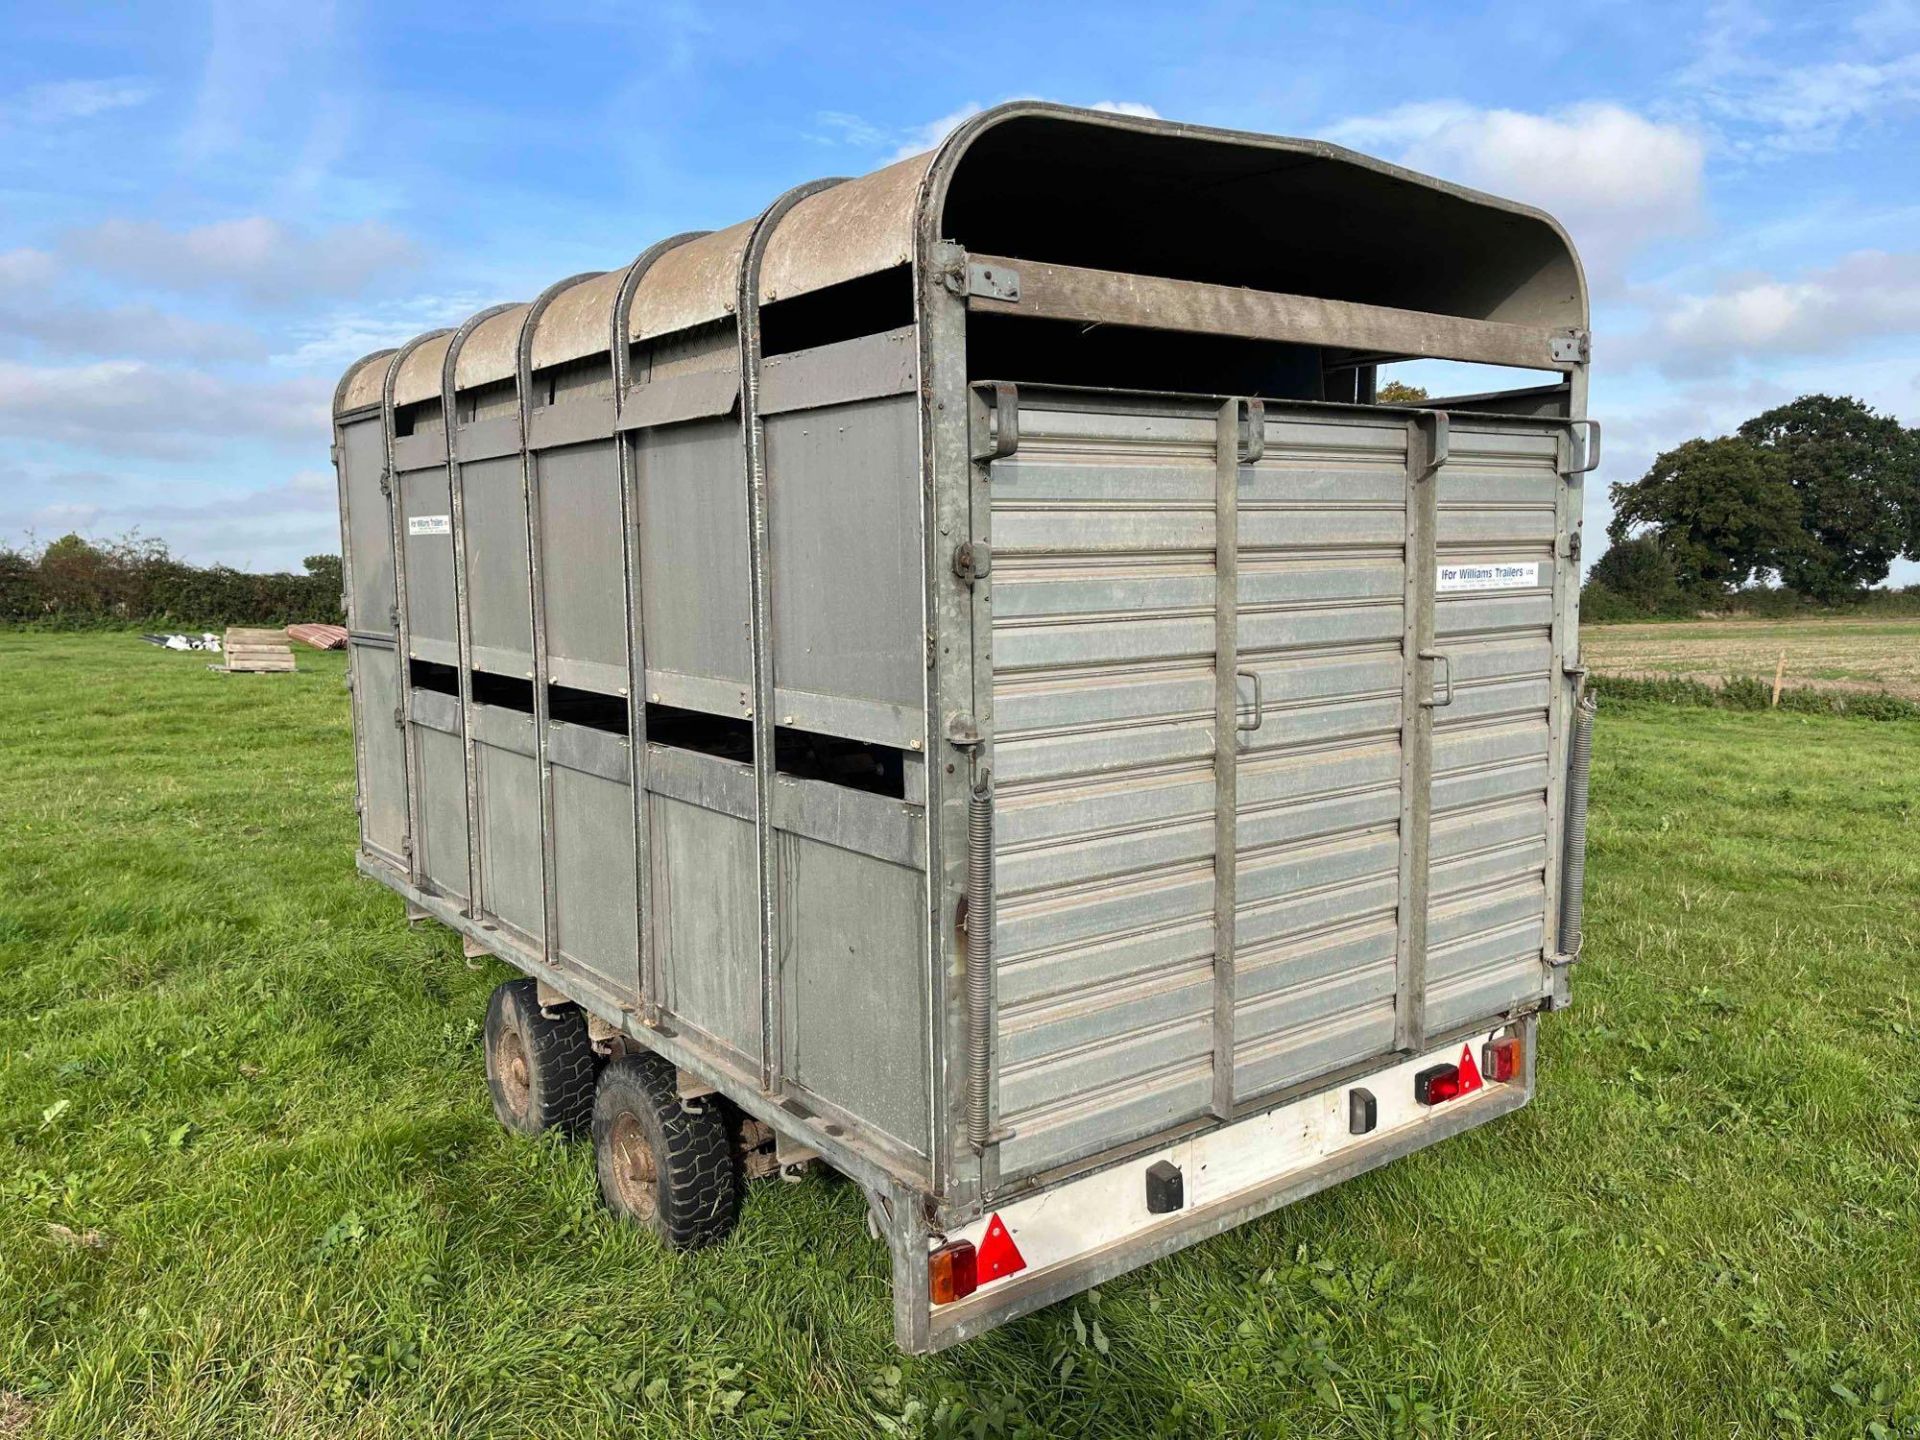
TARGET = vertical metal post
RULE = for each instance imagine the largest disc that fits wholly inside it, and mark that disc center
(1563, 692)
(1226, 742)
(760, 546)
(530, 496)
(348, 608)
(462, 615)
(646, 963)
(1426, 452)
(956, 508)
(403, 640)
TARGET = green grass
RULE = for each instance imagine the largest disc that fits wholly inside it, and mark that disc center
(232, 1059)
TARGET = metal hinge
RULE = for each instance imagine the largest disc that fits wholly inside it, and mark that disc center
(399, 717)
(972, 560)
(393, 616)
(386, 483)
(1573, 348)
(993, 282)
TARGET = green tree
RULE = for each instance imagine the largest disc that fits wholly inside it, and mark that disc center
(1394, 392)
(1720, 510)
(1856, 482)
(1639, 572)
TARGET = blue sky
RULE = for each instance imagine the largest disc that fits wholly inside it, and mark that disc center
(207, 210)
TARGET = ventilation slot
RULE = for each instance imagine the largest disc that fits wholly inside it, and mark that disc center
(724, 736)
(429, 675)
(876, 769)
(587, 707)
(503, 692)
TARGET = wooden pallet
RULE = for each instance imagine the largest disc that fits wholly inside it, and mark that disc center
(257, 650)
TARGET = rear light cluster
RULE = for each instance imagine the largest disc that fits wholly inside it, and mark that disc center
(1438, 1084)
(953, 1272)
(1500, 1061)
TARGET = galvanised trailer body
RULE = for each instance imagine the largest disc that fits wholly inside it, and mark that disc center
(959, 665)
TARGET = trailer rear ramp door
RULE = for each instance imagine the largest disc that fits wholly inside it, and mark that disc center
(1271, 786)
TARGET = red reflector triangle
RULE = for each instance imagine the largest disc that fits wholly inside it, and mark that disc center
(1469, 1072)
(998, 1254)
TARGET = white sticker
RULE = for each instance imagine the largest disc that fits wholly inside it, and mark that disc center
(1489, 577)
(430, 525)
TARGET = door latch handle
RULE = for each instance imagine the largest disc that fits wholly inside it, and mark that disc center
(1258, 707)
(1439, 659)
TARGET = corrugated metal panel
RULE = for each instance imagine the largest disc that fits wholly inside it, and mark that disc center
(1496, 503)
(491, 351)
(690, 284)
(1103, 703)
(1103, 651)
(577, 322)
(362, 385)
(1321, 621)
(419, 376)
(854, 229)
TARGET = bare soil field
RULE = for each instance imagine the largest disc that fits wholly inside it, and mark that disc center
(1867, 654)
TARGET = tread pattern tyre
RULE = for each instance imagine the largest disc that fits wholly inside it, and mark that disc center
(540, 1065)
(660, 1164)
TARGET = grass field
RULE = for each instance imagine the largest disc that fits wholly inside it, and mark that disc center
(1865, 654)
(250, 1184)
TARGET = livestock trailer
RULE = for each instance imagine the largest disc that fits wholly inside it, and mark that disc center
(955, 677)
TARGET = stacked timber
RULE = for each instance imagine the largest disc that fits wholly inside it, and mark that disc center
(265, 650)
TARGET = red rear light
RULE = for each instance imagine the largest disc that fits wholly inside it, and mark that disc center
(952, 1273)
(1437, 1083)
(1500, 1059)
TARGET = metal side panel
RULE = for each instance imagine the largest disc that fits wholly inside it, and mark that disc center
(705, 926)
(426, 529)
(363, 459)
(383, 786)
(508, 781)
(441, 765)
(694, 589)
(844, 487)
(855, 1010)
(597, 911)
(1103, 700)
(1322, 649)
(1497, 521)
(500, 592)
(580, 536)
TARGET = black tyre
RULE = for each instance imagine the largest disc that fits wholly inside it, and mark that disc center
(540, 1064)
(662, 1165)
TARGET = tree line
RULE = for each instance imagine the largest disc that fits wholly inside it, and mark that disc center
(1821, 496)
(78, 583)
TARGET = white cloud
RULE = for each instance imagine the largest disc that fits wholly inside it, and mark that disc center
(1782, 89)
(255, 256)
(924, 137)
(60, 102)
(333, 341)
(26, 269)
(127, 331)
(128, 407)
(270, 526)
(1822, 311)
(1614, 178)
(839, 127)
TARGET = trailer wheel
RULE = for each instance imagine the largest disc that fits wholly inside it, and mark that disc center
(661, 1164)
(540, 1065)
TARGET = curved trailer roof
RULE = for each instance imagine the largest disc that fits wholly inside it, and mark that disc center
(1049, 183)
